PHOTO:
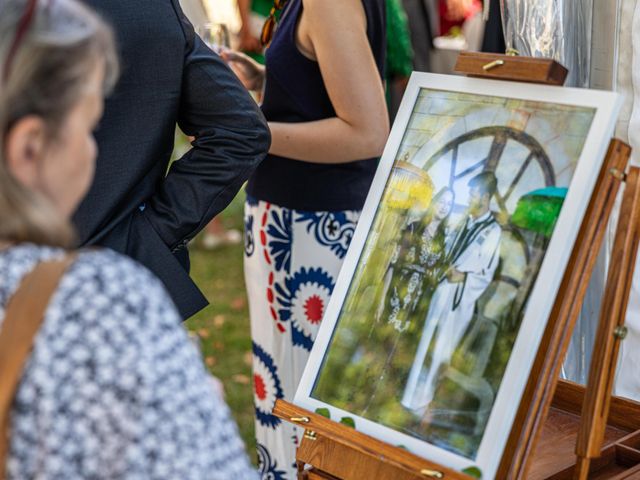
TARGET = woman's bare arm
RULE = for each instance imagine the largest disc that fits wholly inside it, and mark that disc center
(247, 41)
(334, 34)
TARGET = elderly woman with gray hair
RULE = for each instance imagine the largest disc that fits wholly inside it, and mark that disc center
(97, 377)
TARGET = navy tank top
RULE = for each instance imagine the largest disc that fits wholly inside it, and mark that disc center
(295, 92)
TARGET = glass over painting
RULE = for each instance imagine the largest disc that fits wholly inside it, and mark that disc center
(442, 284)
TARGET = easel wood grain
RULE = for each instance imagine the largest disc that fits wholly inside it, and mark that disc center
(624, 414)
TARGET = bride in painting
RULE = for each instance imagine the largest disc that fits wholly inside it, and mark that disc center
(417, 264)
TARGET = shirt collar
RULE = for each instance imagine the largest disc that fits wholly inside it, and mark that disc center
(483, 218)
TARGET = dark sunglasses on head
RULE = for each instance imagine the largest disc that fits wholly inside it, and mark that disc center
(270, 25)
(21, 31)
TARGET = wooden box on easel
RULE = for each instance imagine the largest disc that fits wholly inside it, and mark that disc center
(554, 458)
(336, 452)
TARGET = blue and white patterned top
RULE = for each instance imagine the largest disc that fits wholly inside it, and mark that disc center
(114, 388)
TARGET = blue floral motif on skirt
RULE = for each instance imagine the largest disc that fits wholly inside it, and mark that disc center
(290, 272)
(331, 229)
(268, 466)
(309, 290)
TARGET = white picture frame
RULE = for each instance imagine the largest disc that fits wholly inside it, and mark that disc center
(604, 107)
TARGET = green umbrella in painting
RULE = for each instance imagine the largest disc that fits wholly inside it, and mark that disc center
(538, 211)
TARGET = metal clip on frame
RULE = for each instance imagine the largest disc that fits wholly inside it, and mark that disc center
(310, 435)
(300, 419)
(432, 473)
(617, 174)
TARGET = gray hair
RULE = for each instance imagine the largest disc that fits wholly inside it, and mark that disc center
(51, 65)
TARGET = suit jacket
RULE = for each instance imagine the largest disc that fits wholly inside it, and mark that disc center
(168, 76)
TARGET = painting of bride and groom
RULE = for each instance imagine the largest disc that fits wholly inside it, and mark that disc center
(433, 310)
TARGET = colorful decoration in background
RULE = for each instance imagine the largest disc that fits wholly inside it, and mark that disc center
(453, 13)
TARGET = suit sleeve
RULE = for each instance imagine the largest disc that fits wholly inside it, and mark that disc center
(231, 139)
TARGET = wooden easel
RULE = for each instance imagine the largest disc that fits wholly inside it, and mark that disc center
(337, 452)
(611, 329)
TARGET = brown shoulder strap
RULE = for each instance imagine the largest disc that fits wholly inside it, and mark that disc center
(23, 317)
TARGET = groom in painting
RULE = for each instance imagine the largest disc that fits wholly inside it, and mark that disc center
(472, 258)
(474, 250)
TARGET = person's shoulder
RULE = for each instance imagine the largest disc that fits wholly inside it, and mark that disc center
(332, 9)
(104, 262)
(358, 8)
(118, 279)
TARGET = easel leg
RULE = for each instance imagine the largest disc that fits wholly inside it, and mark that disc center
(582, 468)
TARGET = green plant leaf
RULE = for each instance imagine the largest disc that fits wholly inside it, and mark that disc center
(324, 412)
(348, 421)
(473, 472)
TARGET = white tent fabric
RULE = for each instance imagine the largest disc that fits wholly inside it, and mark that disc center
(628, 83)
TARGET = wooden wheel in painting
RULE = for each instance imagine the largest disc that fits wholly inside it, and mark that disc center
(496, 160)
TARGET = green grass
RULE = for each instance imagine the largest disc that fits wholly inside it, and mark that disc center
(223, 327)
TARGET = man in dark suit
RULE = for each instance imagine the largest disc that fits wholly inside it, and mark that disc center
(168, 76)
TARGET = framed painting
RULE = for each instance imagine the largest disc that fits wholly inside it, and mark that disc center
(440, 306)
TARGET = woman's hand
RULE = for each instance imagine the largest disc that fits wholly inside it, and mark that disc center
(250, 72)
(248, 42)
